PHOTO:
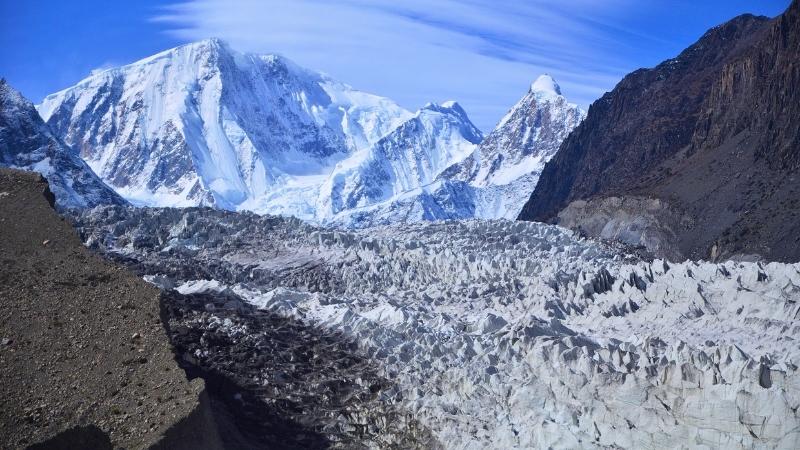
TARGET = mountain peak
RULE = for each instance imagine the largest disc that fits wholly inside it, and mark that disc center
(211, 45)
(444, 107)
(9, 95)
(213, 41)
(451, 104)
(27, 143)
(545, 84)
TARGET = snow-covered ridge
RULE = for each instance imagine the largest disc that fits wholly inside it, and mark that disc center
(546, 85)
(203, 124)
(510, 335)
(505, 167)
(26, 143)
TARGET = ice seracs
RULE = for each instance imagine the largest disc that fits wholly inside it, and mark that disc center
(500, 334)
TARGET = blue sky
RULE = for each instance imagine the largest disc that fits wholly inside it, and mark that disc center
(482, 53)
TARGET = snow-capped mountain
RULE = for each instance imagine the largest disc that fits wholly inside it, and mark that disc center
(495, 178)
(203, 124)
(405, 160)
(509, 161)
(27, 143)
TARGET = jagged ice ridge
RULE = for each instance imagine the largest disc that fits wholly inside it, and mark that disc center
(511, 335)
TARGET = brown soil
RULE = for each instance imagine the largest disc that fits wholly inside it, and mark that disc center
(84, 357)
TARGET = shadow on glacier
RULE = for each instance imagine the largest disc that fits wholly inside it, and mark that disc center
(276, 382)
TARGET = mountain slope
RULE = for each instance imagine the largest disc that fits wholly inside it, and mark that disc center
(202, 124)
(408, 158)
(86, 362)
(489, 180)
(27, 143)
(511, 158)
(697, 157)
(205, 125)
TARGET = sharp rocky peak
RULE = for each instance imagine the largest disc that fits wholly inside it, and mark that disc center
(27, 143)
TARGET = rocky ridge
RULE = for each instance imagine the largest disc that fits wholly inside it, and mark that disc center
(508, 162)
(27, 143)
(84, 358)
(712, 134)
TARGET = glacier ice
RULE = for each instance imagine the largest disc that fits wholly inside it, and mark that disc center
(500, 334)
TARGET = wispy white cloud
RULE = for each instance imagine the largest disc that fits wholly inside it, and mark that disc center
(483, 53)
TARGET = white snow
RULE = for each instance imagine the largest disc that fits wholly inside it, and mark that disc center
(504, 169)
(256, 132)
(546, 85)
(205, 125)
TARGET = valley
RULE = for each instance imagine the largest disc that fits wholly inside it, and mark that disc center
(210, 248)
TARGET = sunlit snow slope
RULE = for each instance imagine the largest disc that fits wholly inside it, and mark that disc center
(507, 164)
(205, 125)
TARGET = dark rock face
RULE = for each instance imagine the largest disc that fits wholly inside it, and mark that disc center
(713, 133)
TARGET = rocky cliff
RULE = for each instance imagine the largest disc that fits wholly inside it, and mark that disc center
(713, 135)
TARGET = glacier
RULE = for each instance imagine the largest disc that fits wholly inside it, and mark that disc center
(205, 125)
(491, 333)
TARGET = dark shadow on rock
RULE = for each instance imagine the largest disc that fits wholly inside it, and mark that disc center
(77, 438)
(243, 420)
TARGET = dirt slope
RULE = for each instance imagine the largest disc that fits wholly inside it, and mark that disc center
(84, 358)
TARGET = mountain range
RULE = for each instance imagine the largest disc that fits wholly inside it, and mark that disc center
(674, 324)
(205, 125)
(694, 158)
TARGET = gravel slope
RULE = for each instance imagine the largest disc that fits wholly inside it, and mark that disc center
(82, 346)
